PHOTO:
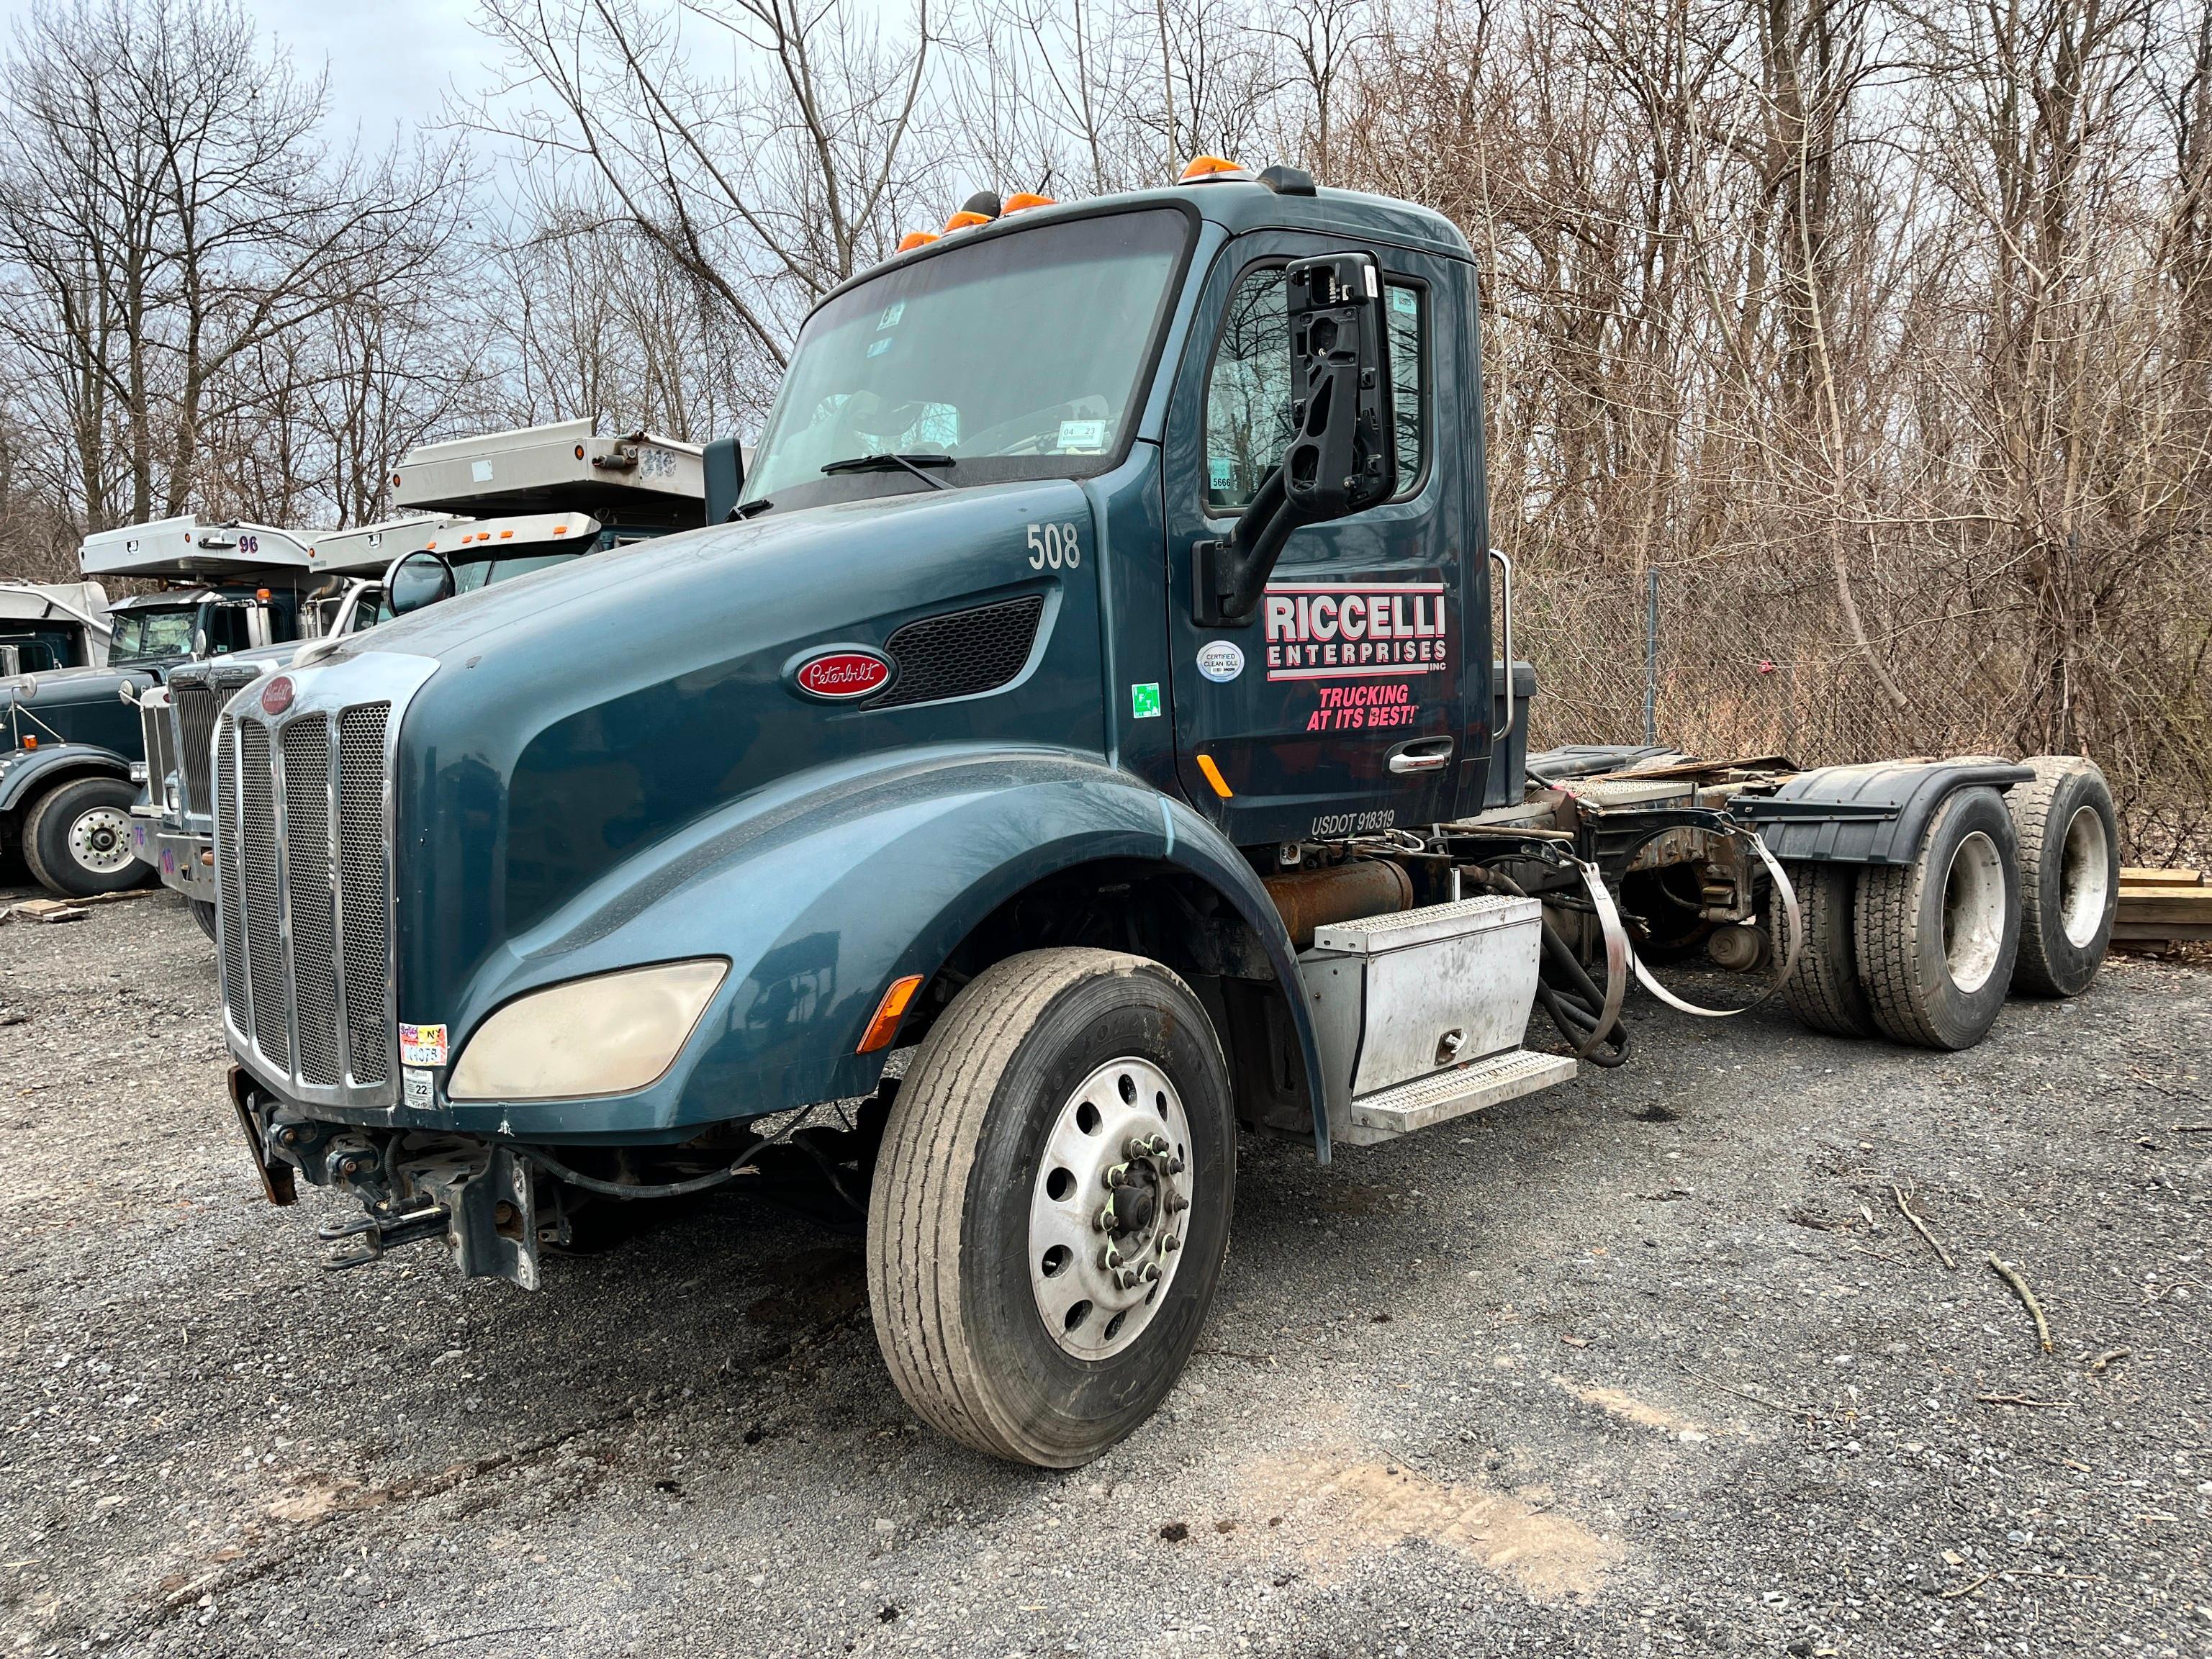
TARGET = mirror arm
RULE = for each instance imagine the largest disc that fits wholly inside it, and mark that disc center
(1228, 576)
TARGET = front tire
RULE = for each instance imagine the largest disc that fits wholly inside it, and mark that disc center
(1068, 1115)
(204, 914)
(77, 839)
(1937, 938)
(2070, 874)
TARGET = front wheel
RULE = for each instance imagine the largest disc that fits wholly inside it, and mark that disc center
(203, 915)
(1051, 1206)
(77, 839)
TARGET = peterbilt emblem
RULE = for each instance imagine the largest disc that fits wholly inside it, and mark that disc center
(841, 675)
(276, 695)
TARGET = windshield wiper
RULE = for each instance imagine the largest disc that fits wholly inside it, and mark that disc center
(912, 463)
(746, 509)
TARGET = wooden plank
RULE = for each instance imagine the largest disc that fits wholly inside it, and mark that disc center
(2131, 877)
(2173, 932)
(2166, 907)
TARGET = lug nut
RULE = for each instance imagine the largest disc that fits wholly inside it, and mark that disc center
(1118, 1176)
(1109, 1258)
(1104, 1221)
(1171, 1242)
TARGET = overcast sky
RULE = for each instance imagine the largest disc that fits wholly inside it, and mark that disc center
(389, 60)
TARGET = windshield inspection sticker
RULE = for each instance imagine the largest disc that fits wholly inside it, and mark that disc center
(1221, 661)
(421, 1045)
(421, 1088)
(1082, 437)
(891, 314)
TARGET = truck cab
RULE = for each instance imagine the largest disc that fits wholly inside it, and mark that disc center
(487, 509)
(46, 627)
(71, 742)
(1098, 698)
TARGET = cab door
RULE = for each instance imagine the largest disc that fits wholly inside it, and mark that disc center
(1335, 709)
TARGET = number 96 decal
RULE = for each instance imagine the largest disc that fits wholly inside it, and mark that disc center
(1053, 546)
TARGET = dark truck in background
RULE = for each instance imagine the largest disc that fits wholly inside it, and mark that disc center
(1103, 700)
(70, 741)
(553, 493)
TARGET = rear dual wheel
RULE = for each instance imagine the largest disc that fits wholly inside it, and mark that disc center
(1935, 940)
(2070, 874)
(1051, 1206)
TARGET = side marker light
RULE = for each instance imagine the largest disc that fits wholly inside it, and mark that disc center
(1213, 777)
(888, 1012)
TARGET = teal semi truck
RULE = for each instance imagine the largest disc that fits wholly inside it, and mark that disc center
(1100, 699)
(555, 493)
(70, 740)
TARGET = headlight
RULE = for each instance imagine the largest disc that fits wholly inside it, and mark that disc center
(603, 1036)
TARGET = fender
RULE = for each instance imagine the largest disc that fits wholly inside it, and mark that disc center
(821, 892)
(25, 773)
(1872, 814)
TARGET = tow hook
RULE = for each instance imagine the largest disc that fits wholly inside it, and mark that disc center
(374, 1233)
(479, 1200)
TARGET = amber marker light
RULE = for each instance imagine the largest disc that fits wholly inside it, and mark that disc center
(882, 1027)
(964, 220)
(1203, 167)
(579, 452)
(1213, 777)
(915, 239)
(1026, 198)
(33, 743)
(262, 594)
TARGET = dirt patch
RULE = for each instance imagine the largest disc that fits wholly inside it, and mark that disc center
(1617, 1402)
(1334, 1509)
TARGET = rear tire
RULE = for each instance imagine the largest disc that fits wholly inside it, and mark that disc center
(203, 913)
(1937, 938)
(1823, 990)
(77, 839)
(2070, 874)
(993, 1142)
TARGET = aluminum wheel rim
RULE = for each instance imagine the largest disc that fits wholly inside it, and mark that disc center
(2085, 877)
(1110, 1208)
(99, 841)
(1973, 912)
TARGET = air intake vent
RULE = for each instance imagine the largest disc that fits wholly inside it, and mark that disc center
(961, 652)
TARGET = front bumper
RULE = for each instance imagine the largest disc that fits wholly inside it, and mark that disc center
(479, 1199)
(185, 861)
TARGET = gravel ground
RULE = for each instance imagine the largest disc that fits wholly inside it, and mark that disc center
(1651, 1365)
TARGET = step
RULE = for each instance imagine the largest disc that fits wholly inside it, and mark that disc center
(1447, 1095)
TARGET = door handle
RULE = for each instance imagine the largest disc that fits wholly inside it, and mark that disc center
(1422, 755)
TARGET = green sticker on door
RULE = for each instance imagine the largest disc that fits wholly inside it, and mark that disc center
(1144, 700)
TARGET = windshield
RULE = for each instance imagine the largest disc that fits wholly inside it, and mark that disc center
(142, 635)
(1018, 356)
(469, 575)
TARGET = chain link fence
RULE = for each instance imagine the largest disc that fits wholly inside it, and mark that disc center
(1735, 658)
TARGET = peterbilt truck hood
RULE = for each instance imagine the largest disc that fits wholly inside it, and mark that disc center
(578, 715)
(71, 705)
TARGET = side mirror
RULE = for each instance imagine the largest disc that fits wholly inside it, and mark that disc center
(418, 579)
(724, 464)
(1343, 458)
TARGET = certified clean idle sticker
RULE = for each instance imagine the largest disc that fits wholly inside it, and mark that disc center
(421, 1045)
(420, 1087)
(1221, 660)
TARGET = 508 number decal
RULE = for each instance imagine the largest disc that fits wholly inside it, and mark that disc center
(1053, 546)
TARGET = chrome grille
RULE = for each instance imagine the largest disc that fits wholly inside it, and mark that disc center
(197, 700)
(264, 894)
(307, 745)
(364, 880)
(227, 891)
(154, 723)
(303, 871)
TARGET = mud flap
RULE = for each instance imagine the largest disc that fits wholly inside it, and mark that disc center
(277, 1178)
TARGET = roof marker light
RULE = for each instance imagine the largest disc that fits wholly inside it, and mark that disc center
(1214, 169)
(1022, 200)
(915, 239)
(966, 220)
